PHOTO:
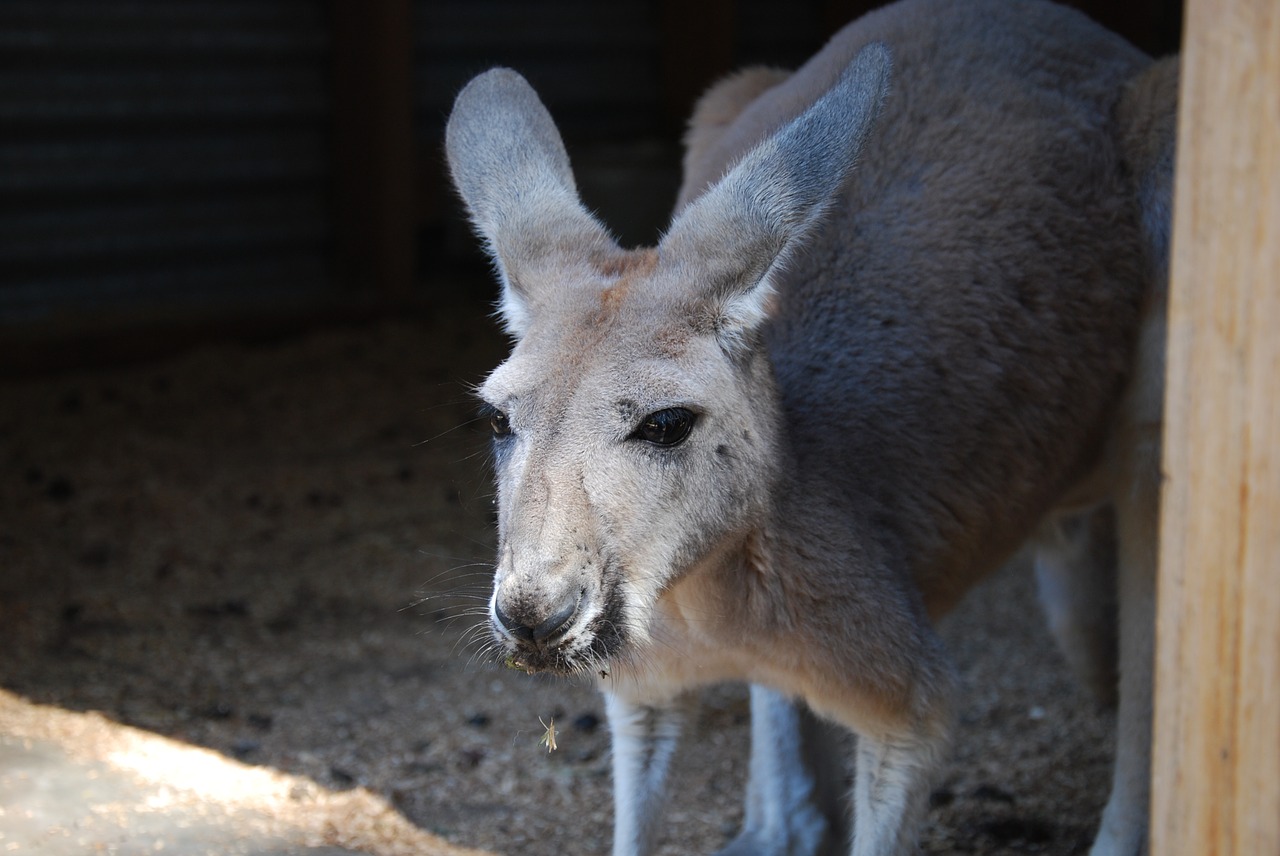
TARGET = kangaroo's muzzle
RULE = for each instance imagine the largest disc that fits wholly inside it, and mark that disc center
(537, 628)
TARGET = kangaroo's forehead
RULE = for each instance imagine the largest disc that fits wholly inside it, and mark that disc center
(629, 295)
(573, 360)
(635, 352)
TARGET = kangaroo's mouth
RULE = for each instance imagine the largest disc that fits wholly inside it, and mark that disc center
(585, 650)
(588, 653)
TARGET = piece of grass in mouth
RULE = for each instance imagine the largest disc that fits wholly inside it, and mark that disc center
(513, 663)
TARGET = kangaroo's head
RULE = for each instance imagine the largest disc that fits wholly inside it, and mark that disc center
(635, 422)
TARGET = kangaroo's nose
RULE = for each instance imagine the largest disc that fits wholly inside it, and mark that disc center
(526, 627)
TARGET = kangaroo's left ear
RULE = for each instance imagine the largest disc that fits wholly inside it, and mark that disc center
(729, 240)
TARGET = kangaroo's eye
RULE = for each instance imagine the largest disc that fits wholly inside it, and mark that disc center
(499, 422)
(666, 427)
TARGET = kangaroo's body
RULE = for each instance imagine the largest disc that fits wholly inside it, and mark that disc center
(774, 448)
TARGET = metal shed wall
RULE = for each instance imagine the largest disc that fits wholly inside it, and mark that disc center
(199, 152)
(595, 64)
(617, 77)
(161, 150)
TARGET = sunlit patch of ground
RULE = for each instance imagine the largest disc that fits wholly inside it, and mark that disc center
(75, 783)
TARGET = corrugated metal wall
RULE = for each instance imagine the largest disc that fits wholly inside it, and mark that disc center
(599, 67)
(595, 63)
(181, 151)
(782, 34)
(161, 149)
(158, 153)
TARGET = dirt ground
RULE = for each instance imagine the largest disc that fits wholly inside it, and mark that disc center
(276, 552)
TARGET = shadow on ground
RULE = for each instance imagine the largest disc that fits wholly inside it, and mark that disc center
(277, 552)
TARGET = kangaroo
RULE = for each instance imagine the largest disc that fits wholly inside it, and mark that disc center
(907, 316)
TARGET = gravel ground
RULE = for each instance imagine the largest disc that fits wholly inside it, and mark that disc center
(276, 552)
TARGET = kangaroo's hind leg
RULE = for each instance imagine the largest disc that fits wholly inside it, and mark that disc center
(1096, 575)
(1124, 822)
(1147, 117)
(1075, 563)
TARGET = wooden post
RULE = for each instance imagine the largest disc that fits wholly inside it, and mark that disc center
(1216, 765)
(374, 185)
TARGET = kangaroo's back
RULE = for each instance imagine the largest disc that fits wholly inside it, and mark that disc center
(944, 312)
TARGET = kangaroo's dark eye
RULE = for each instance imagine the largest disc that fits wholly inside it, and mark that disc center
(666, 427)
(499, 422)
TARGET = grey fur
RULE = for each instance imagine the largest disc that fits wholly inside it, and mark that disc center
(916, 313)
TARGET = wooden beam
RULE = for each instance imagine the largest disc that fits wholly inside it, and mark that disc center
(374, 211)
(1216, 764)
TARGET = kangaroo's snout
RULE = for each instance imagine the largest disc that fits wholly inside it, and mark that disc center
(552, 620)
(547, 585)
(538, 625)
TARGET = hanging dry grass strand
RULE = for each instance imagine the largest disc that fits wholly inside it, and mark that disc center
(549, 737)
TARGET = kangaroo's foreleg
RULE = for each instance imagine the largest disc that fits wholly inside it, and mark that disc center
(644, 741)
(781, 818)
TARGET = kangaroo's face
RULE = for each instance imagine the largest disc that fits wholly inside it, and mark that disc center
(629, 446)
(634, 423)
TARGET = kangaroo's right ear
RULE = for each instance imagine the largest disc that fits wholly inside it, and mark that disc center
(511, 169)
(728, 241)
